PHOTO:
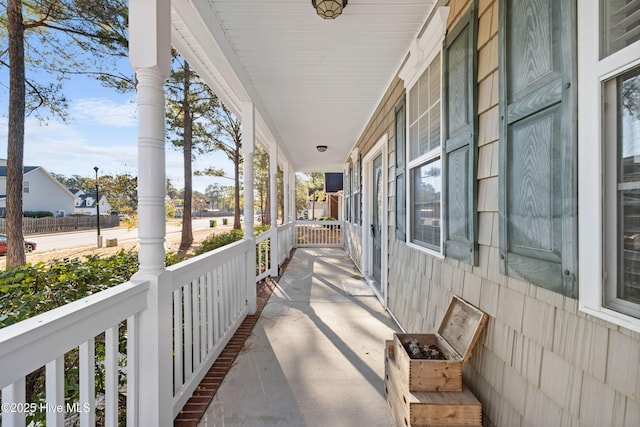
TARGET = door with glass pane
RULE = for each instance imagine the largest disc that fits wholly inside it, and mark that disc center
(376, 221)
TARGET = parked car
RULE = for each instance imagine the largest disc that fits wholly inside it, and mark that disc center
(28, 245)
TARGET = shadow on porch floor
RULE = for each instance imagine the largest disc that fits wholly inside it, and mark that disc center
(315, 356)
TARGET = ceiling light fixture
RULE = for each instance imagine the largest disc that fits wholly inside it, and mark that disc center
(329, 9)
(321, 148)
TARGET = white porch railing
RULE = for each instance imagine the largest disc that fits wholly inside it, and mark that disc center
(263, 255)
(285, 241)
(209, 302)
(319, 234)
(44, 340)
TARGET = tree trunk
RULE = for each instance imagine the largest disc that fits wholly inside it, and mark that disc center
(187, 230)
(236, 191)
(15, 143)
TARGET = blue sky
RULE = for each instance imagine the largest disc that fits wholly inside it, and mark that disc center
(101, 130)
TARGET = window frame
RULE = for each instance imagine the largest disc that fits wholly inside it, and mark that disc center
(25, 187)
(592, 170)
(423, 52)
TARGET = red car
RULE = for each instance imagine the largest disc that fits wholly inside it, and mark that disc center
(28, 246)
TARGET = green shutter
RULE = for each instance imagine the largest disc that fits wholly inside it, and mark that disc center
(538, 202)
(401, 191)
(460, 129)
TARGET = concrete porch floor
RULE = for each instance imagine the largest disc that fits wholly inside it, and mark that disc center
(315, 356)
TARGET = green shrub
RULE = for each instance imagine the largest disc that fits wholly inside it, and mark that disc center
(37, 214)
(218, 240)
(33, 289)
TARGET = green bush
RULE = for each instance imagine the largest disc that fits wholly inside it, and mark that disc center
(218, 240)
(37, 214)
(33, 289)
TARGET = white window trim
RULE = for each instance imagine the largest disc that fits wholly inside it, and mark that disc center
(422, 53)
(593, 72)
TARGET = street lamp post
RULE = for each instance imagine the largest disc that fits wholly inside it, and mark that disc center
(95, 168)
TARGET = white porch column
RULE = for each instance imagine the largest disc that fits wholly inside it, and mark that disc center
(150, 54)
(248, 148)
(273, 191)
(285, 190)
(292, 193)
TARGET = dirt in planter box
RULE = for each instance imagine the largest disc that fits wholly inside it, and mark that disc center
(415, 351)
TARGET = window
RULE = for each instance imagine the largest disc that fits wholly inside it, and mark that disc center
(425, 167)
(609, 160)
(622, 191)
(620, 25)
(422, 75)
(25, 187)
(538, 145)
(356, 189)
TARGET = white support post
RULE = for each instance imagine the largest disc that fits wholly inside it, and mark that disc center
(292, 193)
(285, 190)
(150, 57)
(248, 147)
(273, 191)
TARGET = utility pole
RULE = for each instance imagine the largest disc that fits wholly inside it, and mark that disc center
(95, 168)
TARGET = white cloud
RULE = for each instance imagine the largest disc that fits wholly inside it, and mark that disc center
(72, 149)
(104, 111)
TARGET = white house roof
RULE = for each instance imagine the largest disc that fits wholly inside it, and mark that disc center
(314, 81)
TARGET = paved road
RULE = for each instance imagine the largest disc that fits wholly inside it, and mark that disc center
(47, 242)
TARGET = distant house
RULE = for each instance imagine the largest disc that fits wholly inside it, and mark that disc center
(85, 204)
(40, 192)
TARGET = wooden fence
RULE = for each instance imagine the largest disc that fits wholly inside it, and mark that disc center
(67, 223)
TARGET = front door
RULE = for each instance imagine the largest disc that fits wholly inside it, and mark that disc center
(376, 222)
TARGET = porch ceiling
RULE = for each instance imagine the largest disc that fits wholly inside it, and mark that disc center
(314, 81)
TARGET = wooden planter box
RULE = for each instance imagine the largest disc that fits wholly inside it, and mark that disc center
(423, 392)
(458, 333)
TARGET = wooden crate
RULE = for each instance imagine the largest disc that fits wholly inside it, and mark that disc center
(432, 408)
(459, 331)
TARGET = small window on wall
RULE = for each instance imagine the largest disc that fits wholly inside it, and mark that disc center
(425, 169)
(356, 187)
(25, 187)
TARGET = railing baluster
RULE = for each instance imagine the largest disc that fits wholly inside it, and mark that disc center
(14, 393)
(111, 342)
(210, 311)
(203, 317)
(188, 331)
(88, 383)
(54, 392)
(178, 376)
(196, 324)
(216, 305)
(133, 360)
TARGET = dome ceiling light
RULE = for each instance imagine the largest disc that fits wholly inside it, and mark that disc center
(329, 9)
